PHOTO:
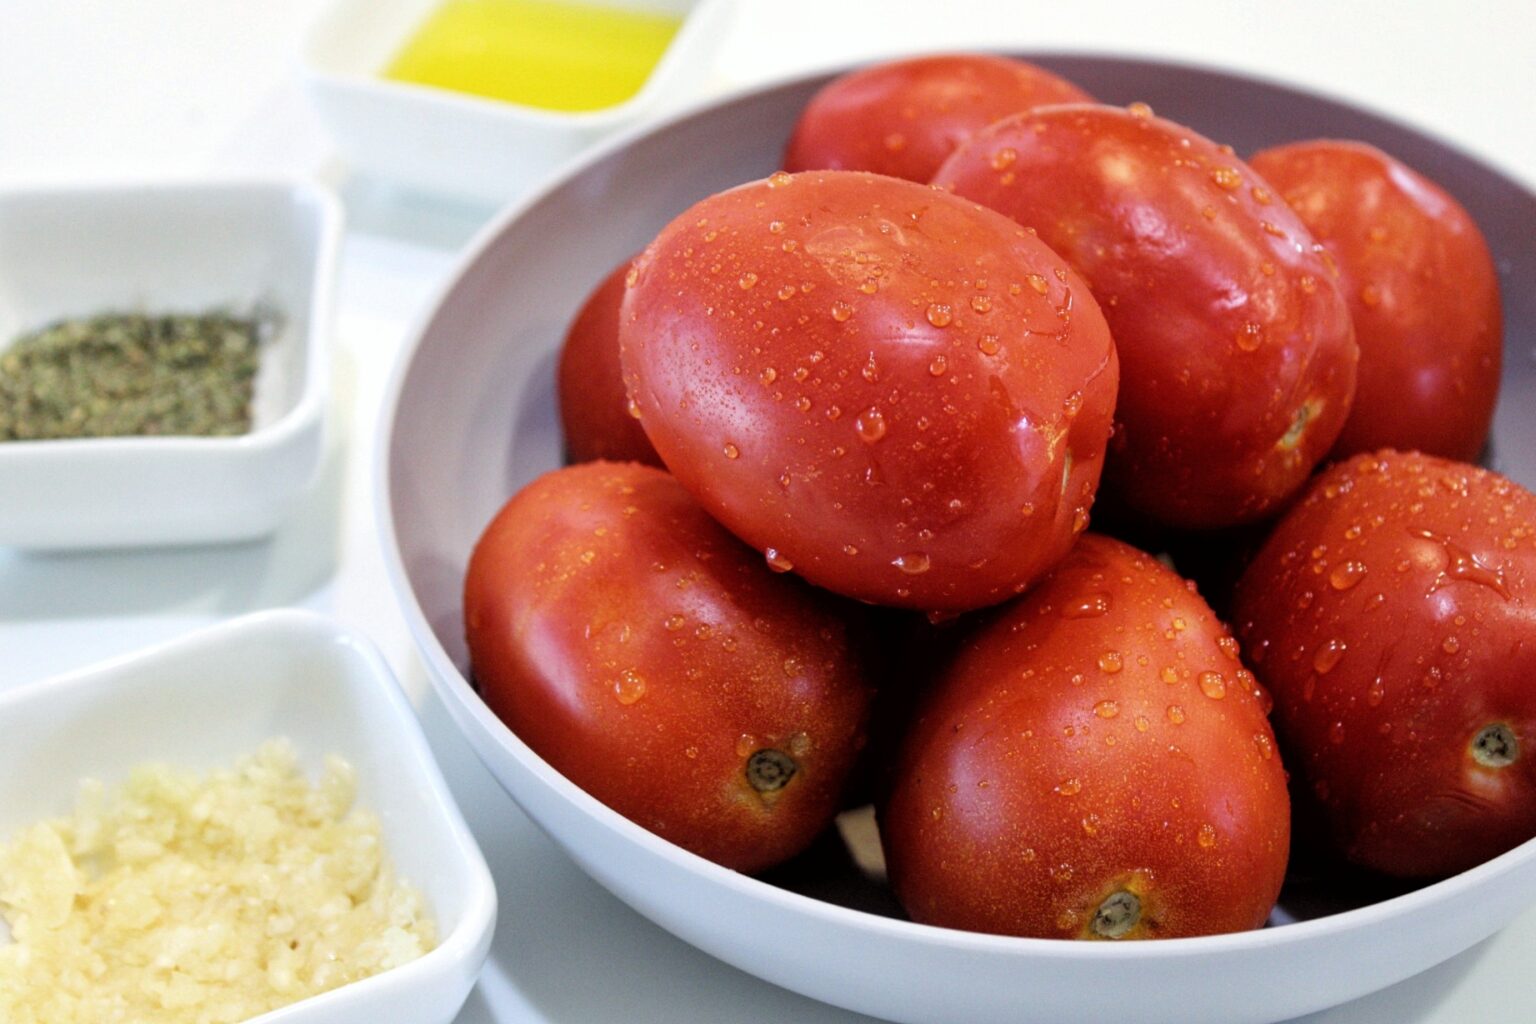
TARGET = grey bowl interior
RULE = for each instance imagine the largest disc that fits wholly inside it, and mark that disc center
(475, 417)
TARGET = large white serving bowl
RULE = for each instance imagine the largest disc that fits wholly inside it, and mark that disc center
(470, 418)
(205, 700)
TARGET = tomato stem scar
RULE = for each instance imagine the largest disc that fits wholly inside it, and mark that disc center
(1495, 746)
(1117, 915)
(1306, 412)
(769, 770)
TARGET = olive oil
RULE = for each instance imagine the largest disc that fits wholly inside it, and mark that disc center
(540, 53)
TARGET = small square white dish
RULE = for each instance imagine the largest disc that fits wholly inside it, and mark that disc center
(202, 702)
(250, 247)
(471, 146)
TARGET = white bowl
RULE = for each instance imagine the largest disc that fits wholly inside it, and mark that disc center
(205, 700)
(457, 143)
(470, 418)
(246, 247)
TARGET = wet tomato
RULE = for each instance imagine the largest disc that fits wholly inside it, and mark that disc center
(904, 117)
(1095, 763)
(1393, 614)
(1236, 350)
(659, 665)
(897, 393)
(594, 410)
(1422, 290)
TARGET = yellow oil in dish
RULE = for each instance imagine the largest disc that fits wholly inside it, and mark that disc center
(540, 53)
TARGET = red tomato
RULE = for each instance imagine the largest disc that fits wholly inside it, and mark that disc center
(658, 664)
(1096, 763)
(1234, 338)
(901, 395)
(1393, 613)
(594, 410)
(904, 117)
(1422, 290)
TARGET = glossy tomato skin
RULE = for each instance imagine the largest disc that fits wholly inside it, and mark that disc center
(1236, 349)
(1393, 615)
(899, 394)
(652, 660)
(1097, 739)
(594, 410)
(1422, 290)
(904, 117)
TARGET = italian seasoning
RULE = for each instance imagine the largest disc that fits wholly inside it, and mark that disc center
(123, 374)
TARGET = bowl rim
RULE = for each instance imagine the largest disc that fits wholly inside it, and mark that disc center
(450, 683)
(687, 45)
(307, 628)
(312, 325)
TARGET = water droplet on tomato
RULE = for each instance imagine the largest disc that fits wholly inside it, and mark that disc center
(1327, 656)
(629, 687)
(1088, 607)
(1250, 336)
(870, 425)
(1346, 575)
(1376, 692)
(1226, 177)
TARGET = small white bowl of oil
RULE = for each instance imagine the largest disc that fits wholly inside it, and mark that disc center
(480, 98)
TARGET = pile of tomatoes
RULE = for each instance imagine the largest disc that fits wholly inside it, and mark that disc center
(837, 434)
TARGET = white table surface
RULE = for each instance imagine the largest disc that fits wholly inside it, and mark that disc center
(112, 88)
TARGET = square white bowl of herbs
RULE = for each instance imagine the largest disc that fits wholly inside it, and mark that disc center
(163, 359)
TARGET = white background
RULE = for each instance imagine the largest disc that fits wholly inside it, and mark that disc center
(112, 88)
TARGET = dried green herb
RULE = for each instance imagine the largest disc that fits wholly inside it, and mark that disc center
(122, 374)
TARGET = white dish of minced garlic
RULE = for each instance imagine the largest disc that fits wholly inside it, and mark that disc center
(214, 874)
(192, 899)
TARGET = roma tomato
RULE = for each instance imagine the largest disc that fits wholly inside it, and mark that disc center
(594, 410)
(904, 117)
(897, 393)
(1393, 614)
(1095, 763)
(1422, 290)
(659, 665)
(1237, 354)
